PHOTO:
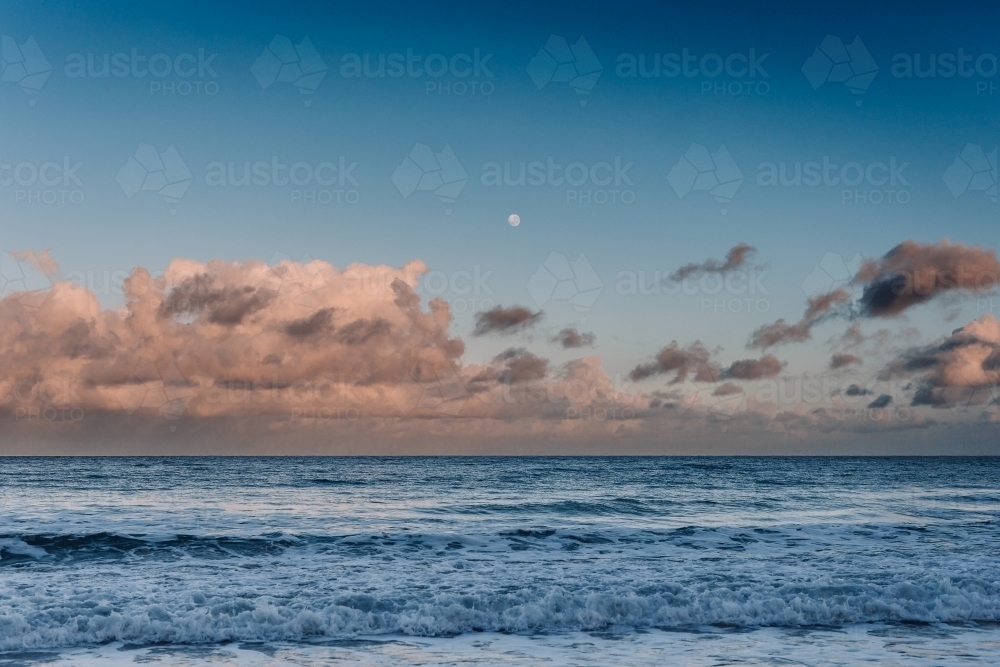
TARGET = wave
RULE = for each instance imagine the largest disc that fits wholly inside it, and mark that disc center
(19, 549)
(200, 619)
(63, 548)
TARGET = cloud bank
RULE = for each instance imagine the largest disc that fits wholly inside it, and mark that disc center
(248, 352)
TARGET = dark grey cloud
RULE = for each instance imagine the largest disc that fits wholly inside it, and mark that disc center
(843, 360)
(362, 330)
(767, 366)
(571, 338)
(224, 304)
(681, 361)
(881, 402)
(519, 365)
(505, 320)
(727, 389)
(913, 273)
(308, 326)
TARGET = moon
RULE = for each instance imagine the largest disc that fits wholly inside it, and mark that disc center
(514, 219)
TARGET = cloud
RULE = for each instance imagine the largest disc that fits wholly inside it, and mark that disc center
(225, 326)
(727, 389)
(245, 341)
(519, 365)
(781, 332)
(259, 357)
(913, 273)
(856, 390)
(778, 333)
(736, 258)
(695, 361)
(571, 338)
(767, 366)
(682, 362)
(961, 369)
(309, 326)
(505, 320)
(909, 274)
(843, 360)
(854, 335)
(881, 402)
(40, 260)
(224, 304)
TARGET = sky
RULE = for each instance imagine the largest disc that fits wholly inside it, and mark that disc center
(262, 170)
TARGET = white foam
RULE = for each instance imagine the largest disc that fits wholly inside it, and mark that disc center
(21, 548)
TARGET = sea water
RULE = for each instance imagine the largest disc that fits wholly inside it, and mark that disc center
(512, 561)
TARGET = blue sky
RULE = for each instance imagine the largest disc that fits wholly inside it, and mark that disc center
(502, 116)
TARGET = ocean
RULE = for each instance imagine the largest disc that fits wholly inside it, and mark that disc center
(499, 561)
